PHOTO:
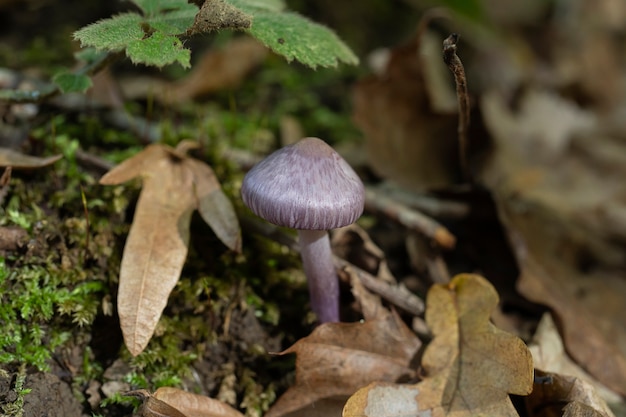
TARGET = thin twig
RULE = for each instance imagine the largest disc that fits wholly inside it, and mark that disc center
(87, 225)
(396, 295)
(428, 204)
(5, 179)
(411, 219)
(92, 161)
(456, 67)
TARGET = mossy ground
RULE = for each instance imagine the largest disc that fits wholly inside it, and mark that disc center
(58, 290)
(227, 312)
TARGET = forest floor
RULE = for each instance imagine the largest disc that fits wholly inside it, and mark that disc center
(536, 207)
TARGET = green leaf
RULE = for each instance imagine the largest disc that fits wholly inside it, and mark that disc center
(159, 50)
(72, 83)
(112, 34)
(259, 5)
(296, 37)
(155, 7)
(176, 22)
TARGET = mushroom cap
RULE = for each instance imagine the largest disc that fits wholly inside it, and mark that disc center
(306, 186)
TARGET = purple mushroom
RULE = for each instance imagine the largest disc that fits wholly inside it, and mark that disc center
(309, 187)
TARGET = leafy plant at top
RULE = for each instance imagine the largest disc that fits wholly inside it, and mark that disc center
(286, 33)
(148, 38)
(173, 186)
(153, 37)
(470, 365)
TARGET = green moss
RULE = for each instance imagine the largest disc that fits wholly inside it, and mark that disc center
(16, 407)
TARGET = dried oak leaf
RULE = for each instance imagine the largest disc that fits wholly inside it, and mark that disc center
(338, 358)
(17, 160)
(173, 186)
(566, 226)
(470, 365)
(549, 355)
(173, 402)
(569, 396)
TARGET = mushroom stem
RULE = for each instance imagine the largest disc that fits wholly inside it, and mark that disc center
(317, 262)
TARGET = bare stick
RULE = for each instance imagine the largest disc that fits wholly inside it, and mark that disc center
(456, 67)
(430, 205)
(5, 179)
(411, 219)
(396, 295)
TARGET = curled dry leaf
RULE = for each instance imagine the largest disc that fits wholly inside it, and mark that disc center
(213, 205)
(173, 402)
(153, 407)
(17, 160)
(194, 405)
(549, 355)
(470, 365)
(552, 391)
(338, 358)
(155, 251)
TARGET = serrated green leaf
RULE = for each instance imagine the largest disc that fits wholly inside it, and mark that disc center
(72, 83)
(296, 37)
(155, 7)
(159, 50)
(250, 6)
(112, 34)
(176, 22)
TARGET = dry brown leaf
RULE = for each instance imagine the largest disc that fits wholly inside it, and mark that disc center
(353, 244)
(213, 205)
(17, 160)
(549, 355)
(554, 393)
(157, 242)
(558, 185)
(338, 358)
(369, 304)
(470, 365)
(194, 405)
(173, 402)
(406, 140)
(591, 310)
